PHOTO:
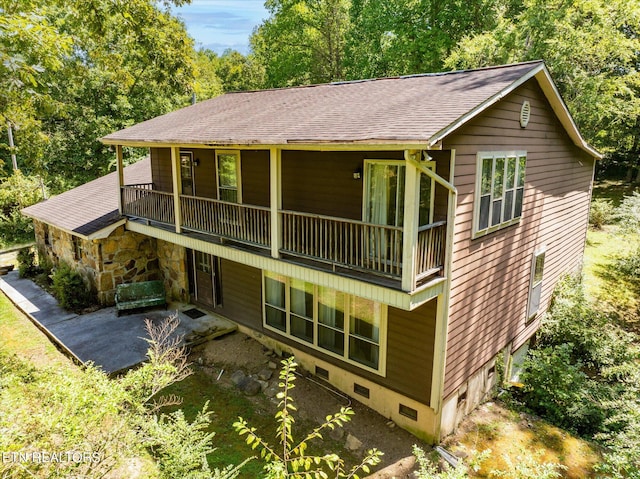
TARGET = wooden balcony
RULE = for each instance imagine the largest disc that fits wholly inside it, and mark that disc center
(336, 243)
(140, 201)
(238, 222)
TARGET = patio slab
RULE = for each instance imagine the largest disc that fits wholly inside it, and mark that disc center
(113, 343)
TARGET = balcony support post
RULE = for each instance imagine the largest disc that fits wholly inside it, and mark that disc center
(275, 178)
(410, 221)
(120, 176)
(177, 186)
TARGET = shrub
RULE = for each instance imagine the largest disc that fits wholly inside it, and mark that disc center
(600, 213)
(584, 375)
(290, 459)
(629, 265)
(628, 214)
(556, 388)
(27, 263)
(69, 288)
(16, 192)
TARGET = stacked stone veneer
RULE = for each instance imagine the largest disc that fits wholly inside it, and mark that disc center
(173, 263)
(122, 257)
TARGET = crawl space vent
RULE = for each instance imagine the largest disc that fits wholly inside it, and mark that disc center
(525, 114)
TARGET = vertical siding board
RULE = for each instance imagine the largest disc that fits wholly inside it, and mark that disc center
(161, 169)
(241, 294)
(490, 283)
(255, 177)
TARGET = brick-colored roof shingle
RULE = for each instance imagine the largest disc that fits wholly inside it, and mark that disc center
(90, 207)
(402, 109)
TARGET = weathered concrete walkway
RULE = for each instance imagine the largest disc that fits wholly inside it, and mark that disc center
(111, 342)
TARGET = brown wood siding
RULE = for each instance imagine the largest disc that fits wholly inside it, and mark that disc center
(241, 294)
(410, 343)
(491, 274)
(255, 178)
(161, 169)
(322, 182)
(204, 174)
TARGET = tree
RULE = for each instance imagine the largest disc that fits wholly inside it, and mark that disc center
(73, 71)
(398, 37)
(302, 41)
(592, 49)
(239, 72)
(30, 47)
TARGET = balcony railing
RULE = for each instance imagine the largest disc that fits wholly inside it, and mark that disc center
(243, 223)
(142, 202)
(334, 241)
(343, 242)
(430, 249)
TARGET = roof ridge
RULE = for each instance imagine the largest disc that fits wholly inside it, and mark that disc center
(397, 77)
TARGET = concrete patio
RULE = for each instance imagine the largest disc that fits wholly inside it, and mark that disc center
(113, 343)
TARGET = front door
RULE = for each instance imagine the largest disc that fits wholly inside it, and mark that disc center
(206, 278)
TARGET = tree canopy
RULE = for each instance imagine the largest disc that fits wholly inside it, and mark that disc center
(73, 71)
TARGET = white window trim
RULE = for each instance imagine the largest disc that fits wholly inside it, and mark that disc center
(382, 343)
(540, 251)
(476, 233)
(237, 154)
(188, 153)
(365, 184)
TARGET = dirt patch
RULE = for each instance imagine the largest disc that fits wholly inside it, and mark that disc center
(222, 357)
(508, 433)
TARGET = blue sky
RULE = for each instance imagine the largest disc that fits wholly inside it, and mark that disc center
(221, 24)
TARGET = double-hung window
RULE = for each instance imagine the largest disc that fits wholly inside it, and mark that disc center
(340, 325)
(228, 163)
(499, 190)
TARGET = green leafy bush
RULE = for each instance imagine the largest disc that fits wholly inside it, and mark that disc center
(69, 288)
(112, 420)
(629, 265)
(16, 192)
(628, 213)
(27, 266)
(600, 213)
(584, 375)
(556, 388)
(290, 459)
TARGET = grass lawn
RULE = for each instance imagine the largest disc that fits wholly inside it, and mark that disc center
(227, 405)
(617, 294)
(19, 336)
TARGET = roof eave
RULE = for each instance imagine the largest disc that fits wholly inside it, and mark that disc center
(541, 74)
(302, 144)
(101, 233)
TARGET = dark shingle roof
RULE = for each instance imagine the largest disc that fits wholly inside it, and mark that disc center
(91, 207)
(402, 109)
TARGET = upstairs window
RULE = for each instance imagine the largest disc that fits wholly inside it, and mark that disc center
(229, 176)
(499, 190)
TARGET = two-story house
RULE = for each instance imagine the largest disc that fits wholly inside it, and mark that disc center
(394, 234)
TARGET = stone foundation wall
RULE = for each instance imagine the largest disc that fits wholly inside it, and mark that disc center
(173, 264)
(57, 246)
(123, 257)
(127, 257)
